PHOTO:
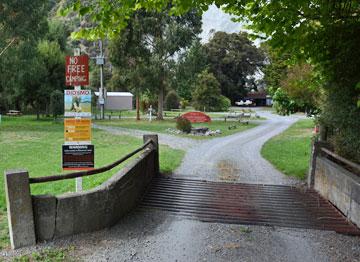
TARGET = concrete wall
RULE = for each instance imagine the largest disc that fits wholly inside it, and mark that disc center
(46, 217)
(339, 186)
(101, 207)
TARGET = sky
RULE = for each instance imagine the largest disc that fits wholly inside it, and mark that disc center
(215, 18)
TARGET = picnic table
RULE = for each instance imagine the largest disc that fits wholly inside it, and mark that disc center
(13, 113)
(237, 116)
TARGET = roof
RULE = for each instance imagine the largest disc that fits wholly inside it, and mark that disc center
(256, 95)
(116, 94)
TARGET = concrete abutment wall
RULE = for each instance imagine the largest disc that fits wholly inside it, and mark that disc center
(45, 217)
(335, 183)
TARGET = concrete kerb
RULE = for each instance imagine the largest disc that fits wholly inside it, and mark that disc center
(46, 217)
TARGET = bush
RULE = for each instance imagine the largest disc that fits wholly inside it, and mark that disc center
(184, 103)
(207, 94)
(282, 103)
(145, 103)
(172, 101)
(225, 104)
(183, 124)
(57, 103)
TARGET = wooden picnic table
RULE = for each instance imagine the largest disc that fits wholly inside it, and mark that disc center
(13, 113)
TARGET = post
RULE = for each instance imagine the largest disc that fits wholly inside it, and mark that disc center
(78, 180)
(19, 208)
(155, 140)
(315, 152)
(101, 93)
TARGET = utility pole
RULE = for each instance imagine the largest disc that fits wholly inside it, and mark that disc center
(100, 61)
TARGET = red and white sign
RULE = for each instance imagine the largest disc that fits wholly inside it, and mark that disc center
(197, 117)
(77, 70)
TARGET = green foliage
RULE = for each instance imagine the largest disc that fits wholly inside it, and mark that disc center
(145, 50)
(225, 104)
(183, 124)
(184, 103)
(189, 65)
(207, 94)
(172, 101)
(282, 103)
(57, 103)
(234, 60)
(303, 87)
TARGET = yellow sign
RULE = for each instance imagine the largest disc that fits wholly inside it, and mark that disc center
(77, 130)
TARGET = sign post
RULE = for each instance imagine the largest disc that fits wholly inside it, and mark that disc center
(77, 152)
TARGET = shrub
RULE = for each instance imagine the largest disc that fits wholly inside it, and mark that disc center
(225, 104)
(145, 103)
(172, 101)
(57, 103)
(207, 94)
(184, 103)
(183, 124)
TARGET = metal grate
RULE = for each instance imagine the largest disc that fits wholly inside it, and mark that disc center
(269, 205)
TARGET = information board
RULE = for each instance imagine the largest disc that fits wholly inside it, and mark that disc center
(77, 70)
(78, 157)
(77, 130)
(77, 103)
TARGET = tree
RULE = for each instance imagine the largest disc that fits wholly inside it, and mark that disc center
(233, 59)
(207, 94)
(57, 103)
(189, 65)
(326, 32)
(131, 57)
(172, 101)
(147, 46)
(303, 86)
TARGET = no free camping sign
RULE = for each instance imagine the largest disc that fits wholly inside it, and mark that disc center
(77, 70)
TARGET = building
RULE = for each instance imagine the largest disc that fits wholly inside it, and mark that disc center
(259, 98)
(118, 100)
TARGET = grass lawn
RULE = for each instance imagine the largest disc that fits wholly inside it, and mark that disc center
(161, 126)
(290, 151)
(36, 146)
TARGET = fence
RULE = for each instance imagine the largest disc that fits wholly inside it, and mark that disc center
(45, 217)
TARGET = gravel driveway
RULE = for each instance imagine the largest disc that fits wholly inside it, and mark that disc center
(237, 158)
(159, 236)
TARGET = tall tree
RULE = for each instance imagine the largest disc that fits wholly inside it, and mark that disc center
(234, 60)
(189, 65)
(325, 31)
(146, 48)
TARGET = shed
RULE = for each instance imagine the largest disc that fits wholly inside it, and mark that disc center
(118, 100)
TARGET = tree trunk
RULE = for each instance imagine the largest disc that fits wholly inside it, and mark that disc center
(161, 101)
(137, 107)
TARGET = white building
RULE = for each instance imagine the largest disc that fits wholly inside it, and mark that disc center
(118, 100)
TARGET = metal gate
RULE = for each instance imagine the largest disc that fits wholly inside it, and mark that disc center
(269, 205)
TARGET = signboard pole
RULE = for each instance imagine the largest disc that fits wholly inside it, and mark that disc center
(78, 180)
(101, 93)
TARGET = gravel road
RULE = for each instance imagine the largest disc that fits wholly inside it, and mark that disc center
(159, 236)
(237, 158)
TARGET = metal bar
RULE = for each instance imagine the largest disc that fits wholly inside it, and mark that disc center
(246, 204)
(34, 180)
(341, 159)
